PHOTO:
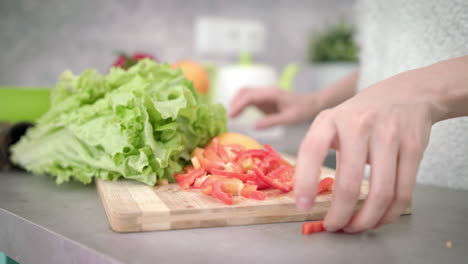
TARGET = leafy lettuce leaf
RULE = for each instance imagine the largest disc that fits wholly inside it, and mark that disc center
(140, 124)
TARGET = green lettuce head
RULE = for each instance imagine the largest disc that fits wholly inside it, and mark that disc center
(139, 124)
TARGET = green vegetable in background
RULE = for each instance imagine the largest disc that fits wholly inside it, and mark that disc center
(334, 44)
(141, 124)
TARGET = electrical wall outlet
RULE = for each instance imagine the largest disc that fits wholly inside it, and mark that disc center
(226, 36)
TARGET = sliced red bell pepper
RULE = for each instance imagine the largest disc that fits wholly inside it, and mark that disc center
(258, 180)
(268, 164)
(246, 164)
(199, 181)
(325, 185)
(234, 148)
(185, 180)
(218, 149)
(241, 176)
(237, 171)
(209, 165)
(225, 154)
(278, 172)
(233, 167)
(250, 191)
(207, 190)
(209, 181)
(256, 161)
(211, 154)
(272, 153)
(232, 186)
(257, 153)
(287, 175)
(257, 195)
(269, 148)
(218, 193)
(229, 152)
(285, 186)
(312, 227)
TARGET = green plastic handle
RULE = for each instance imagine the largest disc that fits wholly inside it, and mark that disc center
(286, 80)
(245, 59)
(23, 103)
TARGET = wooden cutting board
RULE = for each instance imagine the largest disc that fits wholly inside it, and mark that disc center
(134, 207)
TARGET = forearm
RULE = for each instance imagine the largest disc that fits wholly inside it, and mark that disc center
(339, 91)
(448, 84)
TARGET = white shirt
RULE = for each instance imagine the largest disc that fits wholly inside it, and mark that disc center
(397, 36)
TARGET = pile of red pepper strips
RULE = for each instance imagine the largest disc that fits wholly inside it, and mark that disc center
(224, 171)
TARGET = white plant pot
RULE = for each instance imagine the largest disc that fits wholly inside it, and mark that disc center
(314, 77)
(328, 73)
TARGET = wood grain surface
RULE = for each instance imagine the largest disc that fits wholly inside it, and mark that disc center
(134, 207)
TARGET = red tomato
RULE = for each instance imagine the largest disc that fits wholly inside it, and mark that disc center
(218, 193)
(140, 55)
(120, 62)
(312, 227)
(125, 61)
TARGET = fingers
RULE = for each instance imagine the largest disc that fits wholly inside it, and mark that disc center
(350, 167)
(311, 156)
(251, 96)
(408, 163)
(383, 153)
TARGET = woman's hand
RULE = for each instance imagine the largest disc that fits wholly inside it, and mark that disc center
(283, 107)
(387, 125)
(279, 106)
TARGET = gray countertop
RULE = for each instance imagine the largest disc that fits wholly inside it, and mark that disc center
(44, 223)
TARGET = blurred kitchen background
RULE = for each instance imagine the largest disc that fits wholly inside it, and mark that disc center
(41, 39)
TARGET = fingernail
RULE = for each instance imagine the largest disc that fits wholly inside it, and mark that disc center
(303, 203)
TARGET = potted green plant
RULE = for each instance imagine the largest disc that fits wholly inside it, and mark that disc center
(333, 53)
